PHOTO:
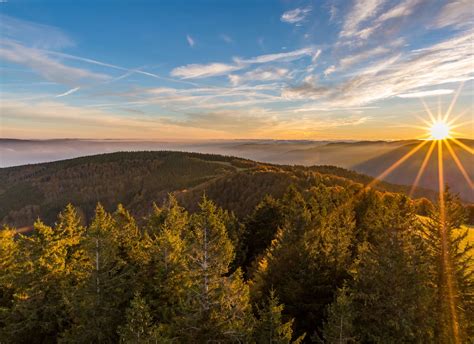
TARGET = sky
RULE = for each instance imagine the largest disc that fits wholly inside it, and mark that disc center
(192, 70)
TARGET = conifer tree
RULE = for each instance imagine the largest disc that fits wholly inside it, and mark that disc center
(99, 303)
(217, 306)
(164, 274)
(9, 268)
(339, 327)
(270, 327)
(390, 298)
(307, 261)
(139, 327)
(55, 265)
(452, 270)
(261, 227)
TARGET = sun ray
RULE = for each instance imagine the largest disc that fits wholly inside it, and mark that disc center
(461, 114)
(453, 102)
(444, 248)
(423, 167)
(458, 163)
(461, 124)
(433, 119)
(462, 145)
(396, 164)
(427, 123)
(439, 107)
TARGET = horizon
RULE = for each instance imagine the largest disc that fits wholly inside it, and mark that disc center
(303, 70)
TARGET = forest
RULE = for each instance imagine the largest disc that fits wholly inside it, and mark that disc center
(318, 264)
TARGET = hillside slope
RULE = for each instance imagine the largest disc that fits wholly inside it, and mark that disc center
(137, 179)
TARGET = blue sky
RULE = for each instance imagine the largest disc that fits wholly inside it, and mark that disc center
(322, 69)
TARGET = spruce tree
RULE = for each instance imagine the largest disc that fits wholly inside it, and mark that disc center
(9, 269)
(217, 306)
(452, 270)
(139, 327)
(389, 296)
(164, 272)
(270, 327)
(98, 305)
(339, 326)
(307, 260)
(55, 264)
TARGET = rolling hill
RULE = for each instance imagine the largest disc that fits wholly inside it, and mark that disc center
(137, 179)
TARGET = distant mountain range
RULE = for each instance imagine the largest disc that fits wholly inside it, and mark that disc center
(367, 157)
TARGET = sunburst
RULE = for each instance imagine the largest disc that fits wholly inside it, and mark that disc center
(439, 132)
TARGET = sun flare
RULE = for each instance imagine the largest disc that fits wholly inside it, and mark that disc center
(440, 130)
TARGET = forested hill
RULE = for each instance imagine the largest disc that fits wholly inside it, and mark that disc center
(137, 179)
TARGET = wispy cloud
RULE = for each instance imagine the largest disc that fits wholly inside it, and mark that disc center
(194, 71)
(422, 94)
(71, 91)
(329, 70)
(282, 57)
(190, 40)
(296, 15)
(226, 38)
(33, 34)
(361, 11)
(442, 63)
(458, 13)
(259, 74)
(48, 68)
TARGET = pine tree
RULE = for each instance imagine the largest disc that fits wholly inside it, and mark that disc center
(390, 295)
(261, 227)
(54, 265)
(217, 306)
(270, 327)
(139, 327)
(339, 327)
(98, 305)
(164, 275)
(307, 261)
(9, 268)
(452, 268)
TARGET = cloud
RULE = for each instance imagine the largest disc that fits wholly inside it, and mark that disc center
(399, 11)
(351, 60)
(48, 68)
(71, 91)
(56, 119)
(329, 70)
(316, 56)
(246, 122)
(360, 12)
(333, 11)
(259, 74)
(33, 34)
(295, 16)
(458, 13)
(445, 62)
(403, 9)
(190, 40)
(226, 38)
(430, 93)
(282, 57)
(194, 71)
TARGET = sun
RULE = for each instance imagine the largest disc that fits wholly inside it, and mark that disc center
(440, 130)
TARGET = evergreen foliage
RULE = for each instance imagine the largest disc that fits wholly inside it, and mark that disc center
(322, 262)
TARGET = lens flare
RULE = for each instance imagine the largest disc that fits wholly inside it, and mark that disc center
(440, 130)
